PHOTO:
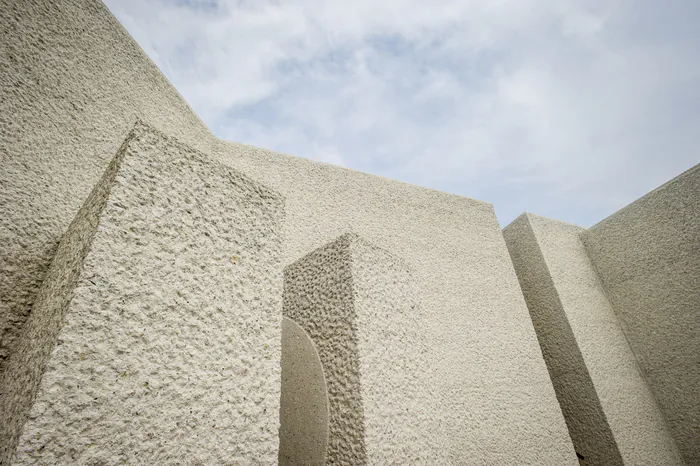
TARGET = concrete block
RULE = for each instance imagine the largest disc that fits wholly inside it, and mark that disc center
(358, 305)
(610, 411)
(155, 337)
(647, 256)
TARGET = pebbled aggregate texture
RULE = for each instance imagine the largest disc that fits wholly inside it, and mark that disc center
(647, 256)
(610, 411)
(70, 92)
(73, 86)
(169, 349)
(318, 296)
(358, 305)
(304, 400)
(20, 382)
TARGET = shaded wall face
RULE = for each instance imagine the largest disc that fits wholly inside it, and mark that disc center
(588, 425)
(647, 256)
(318, 296)
(169, 341)
(304, 400)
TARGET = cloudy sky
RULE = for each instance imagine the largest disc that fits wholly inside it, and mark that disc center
(567, 109)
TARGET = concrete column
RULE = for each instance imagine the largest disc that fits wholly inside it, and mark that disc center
(358, 305)
(609, 409)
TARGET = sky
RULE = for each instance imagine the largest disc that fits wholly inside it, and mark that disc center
(566, 109)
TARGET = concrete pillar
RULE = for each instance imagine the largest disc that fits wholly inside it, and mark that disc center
(155, 337)
(647, 256)
(609, 409)
(358, 305)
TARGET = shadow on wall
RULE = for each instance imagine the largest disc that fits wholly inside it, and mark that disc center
(304, 400)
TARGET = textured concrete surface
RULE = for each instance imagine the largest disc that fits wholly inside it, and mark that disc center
(647, 256)
(357, 303)
(72, 85)
(76, 82)
(170, 345)
(611, 413)
(304, 400)
(20, 382)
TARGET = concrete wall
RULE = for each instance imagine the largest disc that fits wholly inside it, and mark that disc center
(647, 256)
(170, 346)
(20, 382)
(304, 400)
(75, 83)
(610, 411)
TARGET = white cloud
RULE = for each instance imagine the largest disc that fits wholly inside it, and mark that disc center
(568, 109)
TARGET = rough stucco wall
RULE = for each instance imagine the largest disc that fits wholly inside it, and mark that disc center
(318, 296)
(611, 412)
(358, 305)
(588, 426)
(485, 365)
(171, 344)
(647, 256)
(76, 83)
(304, 400)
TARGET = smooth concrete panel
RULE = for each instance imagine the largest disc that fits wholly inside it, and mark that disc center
(647, 256)
(612, 415)
(164, 305)
(304, 413)
(76, 83)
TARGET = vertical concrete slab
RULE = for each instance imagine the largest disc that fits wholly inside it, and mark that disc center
(610, 411)
(156, 334)
(304, 400)
(647, 256)
(358, 305)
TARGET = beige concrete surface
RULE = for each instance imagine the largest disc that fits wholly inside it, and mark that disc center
(358, 305)
(164, 305)
(76, 82)
(72, 85)
(611, 413)
(647, 256)
(304, 400)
